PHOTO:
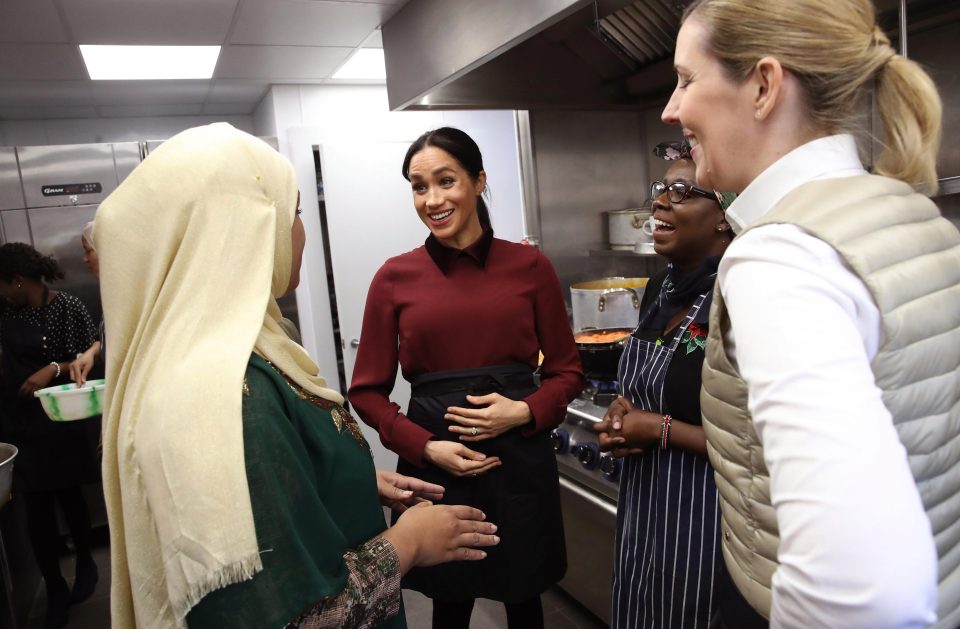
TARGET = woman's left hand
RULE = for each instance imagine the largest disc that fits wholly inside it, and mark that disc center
(40, 379)
(498, 415)
(400, 492)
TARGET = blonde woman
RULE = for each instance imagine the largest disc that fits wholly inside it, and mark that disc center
(80, 368)
(240, 492)
(831, 387)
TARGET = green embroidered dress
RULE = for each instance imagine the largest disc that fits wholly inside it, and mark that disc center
(315, 506)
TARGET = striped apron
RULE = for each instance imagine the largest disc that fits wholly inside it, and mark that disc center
(668, 550)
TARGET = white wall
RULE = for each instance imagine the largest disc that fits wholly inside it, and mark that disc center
(96, 130)
(358, 115)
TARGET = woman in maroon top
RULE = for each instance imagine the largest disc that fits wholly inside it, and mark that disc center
(466, 316)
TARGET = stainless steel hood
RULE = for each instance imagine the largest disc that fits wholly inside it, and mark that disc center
(531, 54)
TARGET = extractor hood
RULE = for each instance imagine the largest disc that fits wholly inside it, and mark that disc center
(531, 54)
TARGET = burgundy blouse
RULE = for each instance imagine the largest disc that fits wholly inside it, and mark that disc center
(437, 309)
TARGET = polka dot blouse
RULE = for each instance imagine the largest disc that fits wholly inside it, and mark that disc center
(65, 323)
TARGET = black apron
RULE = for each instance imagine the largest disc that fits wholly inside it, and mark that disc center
(521, 496)
(53, 455)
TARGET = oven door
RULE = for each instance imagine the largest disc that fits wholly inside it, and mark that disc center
(590, 524)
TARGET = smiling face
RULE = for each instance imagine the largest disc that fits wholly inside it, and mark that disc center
(714, 111)
(90, 257)
(687, 233)
(446, 197)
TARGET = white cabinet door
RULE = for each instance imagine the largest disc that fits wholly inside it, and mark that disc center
(370, 218)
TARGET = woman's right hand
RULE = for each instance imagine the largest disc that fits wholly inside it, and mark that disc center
(426, 535)
(81, 367)
(458, 459)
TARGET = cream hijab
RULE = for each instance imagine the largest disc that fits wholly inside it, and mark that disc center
(194, 247)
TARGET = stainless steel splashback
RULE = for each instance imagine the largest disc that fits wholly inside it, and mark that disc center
(67, 174)
(11, 194)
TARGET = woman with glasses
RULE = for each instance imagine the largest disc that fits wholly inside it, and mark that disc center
(668, 550)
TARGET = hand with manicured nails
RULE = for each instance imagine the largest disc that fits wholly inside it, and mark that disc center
(426, 535)
(80, 367)
(458, 459)
(400, 492)
(618, 435)
(497, 415)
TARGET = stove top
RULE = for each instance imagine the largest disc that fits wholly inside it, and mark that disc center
(601, 392)
(578, 453)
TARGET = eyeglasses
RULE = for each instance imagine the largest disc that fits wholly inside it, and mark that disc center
(678, 191)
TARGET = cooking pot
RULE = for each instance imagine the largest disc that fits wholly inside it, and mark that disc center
(600, 351)
(626, 227)
(611, 302)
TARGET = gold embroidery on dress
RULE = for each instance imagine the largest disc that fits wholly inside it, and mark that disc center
(339, 415)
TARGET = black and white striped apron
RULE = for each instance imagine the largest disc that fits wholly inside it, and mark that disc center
(668, 550)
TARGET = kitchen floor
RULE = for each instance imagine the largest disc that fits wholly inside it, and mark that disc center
(560, 611)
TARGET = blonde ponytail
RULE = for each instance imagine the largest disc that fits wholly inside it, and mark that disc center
(838, 54)
(911, 111)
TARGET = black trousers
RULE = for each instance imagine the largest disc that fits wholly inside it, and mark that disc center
(733, 611)
(45, 533)
(526, 614)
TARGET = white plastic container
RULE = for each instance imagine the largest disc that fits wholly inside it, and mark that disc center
(67, 402)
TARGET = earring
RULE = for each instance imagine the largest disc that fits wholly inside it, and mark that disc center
(19, 285)
(757, 114)
(721, 228)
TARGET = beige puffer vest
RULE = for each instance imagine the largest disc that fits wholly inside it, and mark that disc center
(908, 256)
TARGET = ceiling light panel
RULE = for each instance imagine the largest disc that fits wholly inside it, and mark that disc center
(366, 63)
(134, 63)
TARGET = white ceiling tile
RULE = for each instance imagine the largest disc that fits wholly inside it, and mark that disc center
(237, 91)
(36, 62)
(141, 111)
(306, 23)
(34, 21)
(398, 3)
(375, 40)
(226, 109)
(45, 93)
(149, 22)
(43, 113)
(149, 92)
(279, 63)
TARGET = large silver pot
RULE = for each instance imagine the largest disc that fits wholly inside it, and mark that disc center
(611, 302)
(626, 227)
(7, 454)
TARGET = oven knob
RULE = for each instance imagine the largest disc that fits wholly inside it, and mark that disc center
(588, 454)
(560, 439)
(610, 466)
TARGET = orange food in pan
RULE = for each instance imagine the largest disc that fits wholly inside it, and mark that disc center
(600, 336)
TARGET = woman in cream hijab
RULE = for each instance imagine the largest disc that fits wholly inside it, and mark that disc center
(239, 491)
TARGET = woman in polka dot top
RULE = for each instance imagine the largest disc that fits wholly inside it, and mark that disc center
(41, 331)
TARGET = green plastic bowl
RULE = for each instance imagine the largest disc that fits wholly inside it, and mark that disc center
(67, 402)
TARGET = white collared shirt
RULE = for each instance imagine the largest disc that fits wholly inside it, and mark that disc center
(856, 548)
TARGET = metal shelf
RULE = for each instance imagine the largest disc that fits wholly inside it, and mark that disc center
(947, 186)
(620, 253)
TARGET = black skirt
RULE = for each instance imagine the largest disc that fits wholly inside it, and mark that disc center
(521, 496)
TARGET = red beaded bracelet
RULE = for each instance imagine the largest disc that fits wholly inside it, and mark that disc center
(665, 432)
